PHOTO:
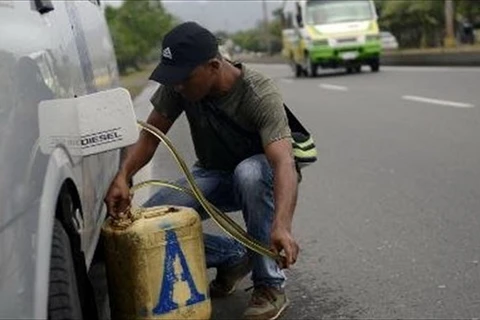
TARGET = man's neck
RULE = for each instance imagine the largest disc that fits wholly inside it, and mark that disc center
(228, 78)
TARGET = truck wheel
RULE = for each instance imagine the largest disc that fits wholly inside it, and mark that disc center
(63, 297)
(311, 68)
(298, 71)
(375, 65)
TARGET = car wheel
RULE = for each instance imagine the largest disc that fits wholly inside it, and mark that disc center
(63, 298)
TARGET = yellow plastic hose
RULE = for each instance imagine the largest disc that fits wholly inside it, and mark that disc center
(226, 223)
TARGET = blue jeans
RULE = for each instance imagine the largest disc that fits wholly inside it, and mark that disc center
(249, 189)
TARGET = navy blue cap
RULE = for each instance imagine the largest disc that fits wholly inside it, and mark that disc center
(185, 47)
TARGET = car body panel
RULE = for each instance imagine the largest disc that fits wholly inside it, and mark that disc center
(62, 53)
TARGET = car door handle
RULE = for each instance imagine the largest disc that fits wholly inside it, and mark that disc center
(44, 6)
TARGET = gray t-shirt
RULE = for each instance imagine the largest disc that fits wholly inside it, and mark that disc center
(233, 127)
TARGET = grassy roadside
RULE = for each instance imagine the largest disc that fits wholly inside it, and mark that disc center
(135, 81)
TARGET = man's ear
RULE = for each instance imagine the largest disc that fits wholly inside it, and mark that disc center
(215, 63)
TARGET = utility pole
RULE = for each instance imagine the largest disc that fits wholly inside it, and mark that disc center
(449, 24)
(265, 27)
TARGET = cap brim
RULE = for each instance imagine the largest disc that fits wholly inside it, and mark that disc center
(170, 75)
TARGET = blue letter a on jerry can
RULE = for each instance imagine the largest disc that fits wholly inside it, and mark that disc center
(166, 303)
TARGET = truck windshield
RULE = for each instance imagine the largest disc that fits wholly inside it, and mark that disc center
(335, 11)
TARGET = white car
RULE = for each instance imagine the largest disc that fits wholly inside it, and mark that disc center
(388, 40)
(51, 205)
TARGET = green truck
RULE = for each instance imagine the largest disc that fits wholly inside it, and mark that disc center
(330, 34)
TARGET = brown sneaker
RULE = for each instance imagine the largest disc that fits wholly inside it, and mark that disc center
(227, 279)
(266, 304)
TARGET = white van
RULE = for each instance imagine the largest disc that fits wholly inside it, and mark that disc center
(51, 206)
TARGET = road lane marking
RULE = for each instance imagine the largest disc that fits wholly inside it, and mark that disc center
(332, 87)
(439, 102)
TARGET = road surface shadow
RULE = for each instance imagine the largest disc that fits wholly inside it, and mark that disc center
(306, 301)
(310, 298)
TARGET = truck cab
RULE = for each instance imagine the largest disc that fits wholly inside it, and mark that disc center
(330, 34)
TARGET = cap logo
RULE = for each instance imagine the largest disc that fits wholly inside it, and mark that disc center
(167, 53)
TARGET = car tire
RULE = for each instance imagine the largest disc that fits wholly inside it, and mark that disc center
(63, 296)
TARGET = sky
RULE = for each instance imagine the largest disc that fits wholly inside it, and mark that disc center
(216, 15)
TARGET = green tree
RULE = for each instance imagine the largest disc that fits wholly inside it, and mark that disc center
(251, 40)
(222, 35)
(415, 23)
(422, 23)
(137, 28)
(254, 39)
(469, 9)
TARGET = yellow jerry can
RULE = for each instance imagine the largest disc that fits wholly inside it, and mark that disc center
(155, 265)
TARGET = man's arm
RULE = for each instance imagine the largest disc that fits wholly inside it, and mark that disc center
(280, 156)
(138, 155)
(143, 150)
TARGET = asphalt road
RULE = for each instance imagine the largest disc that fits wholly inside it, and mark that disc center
(388, 218)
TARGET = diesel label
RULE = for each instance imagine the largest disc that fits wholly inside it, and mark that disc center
(99, 138)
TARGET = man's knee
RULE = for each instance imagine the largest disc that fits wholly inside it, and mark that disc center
(253, 173)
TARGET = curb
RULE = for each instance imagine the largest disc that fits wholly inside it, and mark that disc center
(463, 59)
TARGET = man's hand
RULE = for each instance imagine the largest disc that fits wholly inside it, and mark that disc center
(118, 197)
(281, 239)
